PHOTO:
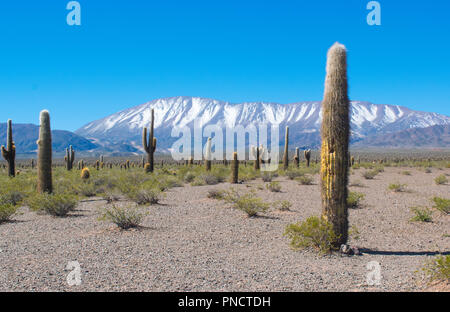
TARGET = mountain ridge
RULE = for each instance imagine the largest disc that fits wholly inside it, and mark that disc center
(303, 118)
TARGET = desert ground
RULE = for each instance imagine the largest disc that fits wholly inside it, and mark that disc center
(189, 242)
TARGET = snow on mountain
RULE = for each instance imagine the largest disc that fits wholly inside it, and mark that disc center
(303, 118)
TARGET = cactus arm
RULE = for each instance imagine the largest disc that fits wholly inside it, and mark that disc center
(5, 153)
(144, 140)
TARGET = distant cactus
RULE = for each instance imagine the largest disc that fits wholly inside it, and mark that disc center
(256, 152)
(150, 145)
(9, 153)
(307, 157)
(335, 139)
(235, 169)
(286, 150)
(44, 163)
(97, 164)
(297, 157)
(69, 158)
(85, 173)
(32, 164)
(191, 161)
(208, 155)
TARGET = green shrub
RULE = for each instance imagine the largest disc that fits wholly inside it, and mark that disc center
(353, 232)
(143, 196)
(189, 177)
(315, 232)
(438, 269)
(209, 179)
(442, 204)
(58, 205)
(274, 187)
(267, 176)
(125, 217)
(111, 197)
(354, 199)
(406, 172)
(292, 174)
(7, 210)
(442, 179)
(247, 202)
(284, 205)
(397, 187)
(216, 194)
(421, 214)
(12, 197)
(370, 174)
(305, 180)
(86, 188)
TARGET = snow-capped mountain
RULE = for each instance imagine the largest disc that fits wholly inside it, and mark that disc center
(303, 119)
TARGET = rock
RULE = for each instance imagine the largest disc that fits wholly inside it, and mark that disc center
(346, 250)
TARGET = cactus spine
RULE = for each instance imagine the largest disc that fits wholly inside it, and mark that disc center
(69, 158)
(44, 154)
(234, 169)
(208, 155)
(9, 153)
(150, 145)
(335, 138)
(286, 150)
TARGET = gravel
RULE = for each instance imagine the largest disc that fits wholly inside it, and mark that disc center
(192, 243)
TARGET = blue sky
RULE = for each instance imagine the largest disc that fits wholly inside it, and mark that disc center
(129, 52)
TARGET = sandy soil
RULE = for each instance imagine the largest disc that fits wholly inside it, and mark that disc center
(192, 243)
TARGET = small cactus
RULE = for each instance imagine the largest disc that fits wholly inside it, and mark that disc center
(307, 156)
(208, 155)
(286, 150)
(147, 168)
(297, 157)
(150, 145)
(45, 154)
(234, 169)
(256, 152)
(69, 158)
(85, 173)
(9, 153)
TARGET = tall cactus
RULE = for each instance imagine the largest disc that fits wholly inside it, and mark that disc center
(150, 145)
(297, 157)
(9, 153)
(45, 154)
(335, 139)
(307, 156)
(286, 150)
(69, 158)
(208, 155)
(234, 169)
